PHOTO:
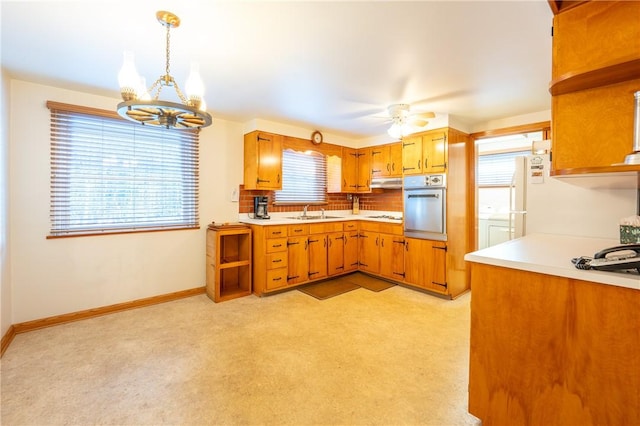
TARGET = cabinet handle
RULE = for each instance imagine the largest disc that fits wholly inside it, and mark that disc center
(297, 230)
(440, 165)
(276, 232)
(419, 163)
(313, 241)
(325, 241)
(276, 279)
(276, 261)
(313, 273)
(258, 180)
(381, 243)
(440, 248)
(377, 171)
(440, 284)
(278, 177)
(340, 238)
(388, 167)
(377, 238)
(398, 241)
(280, 245)
(402, 274)
(288, 244)
(260, 138)
(292, 278)
(407, 144)
(376, 152)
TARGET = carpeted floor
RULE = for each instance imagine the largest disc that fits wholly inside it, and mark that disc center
(396, 357)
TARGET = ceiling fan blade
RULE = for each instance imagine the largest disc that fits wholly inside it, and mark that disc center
(418, 122)
(424, 115)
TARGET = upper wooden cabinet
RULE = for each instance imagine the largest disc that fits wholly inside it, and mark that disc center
(425, 153)
(356, 170)
(386, 160)
(595, 72)
(262, 160)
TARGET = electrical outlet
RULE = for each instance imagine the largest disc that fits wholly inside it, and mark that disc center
(234, 195)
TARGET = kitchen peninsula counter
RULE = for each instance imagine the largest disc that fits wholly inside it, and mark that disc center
(551, 344)
(552, 254)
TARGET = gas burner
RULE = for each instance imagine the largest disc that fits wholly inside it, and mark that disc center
(386, 216)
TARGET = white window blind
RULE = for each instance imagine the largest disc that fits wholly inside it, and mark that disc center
(110, 175)
(497, 169)
(304, 178)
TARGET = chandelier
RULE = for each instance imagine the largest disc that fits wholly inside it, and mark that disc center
(138, 105)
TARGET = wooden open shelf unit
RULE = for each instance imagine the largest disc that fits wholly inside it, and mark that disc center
(228, 263)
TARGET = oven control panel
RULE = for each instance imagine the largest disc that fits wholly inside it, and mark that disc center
(425, 181)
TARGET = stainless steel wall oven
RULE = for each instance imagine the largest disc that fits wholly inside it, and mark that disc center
(425, 206)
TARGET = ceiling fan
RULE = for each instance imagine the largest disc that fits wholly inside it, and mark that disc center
(405, 122)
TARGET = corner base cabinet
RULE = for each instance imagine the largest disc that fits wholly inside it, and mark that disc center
(228, 262)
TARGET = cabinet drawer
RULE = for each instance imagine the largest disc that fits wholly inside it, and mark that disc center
(276, 278)
(391, 228)
(276, 231)
(324, 228)
(276, 244)
(277, 260)
(294, 230)
(349, 226)
(370, 226)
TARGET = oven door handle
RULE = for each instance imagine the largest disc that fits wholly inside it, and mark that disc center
(424, 195)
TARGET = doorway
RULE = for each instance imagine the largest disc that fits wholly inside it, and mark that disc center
(494, 188)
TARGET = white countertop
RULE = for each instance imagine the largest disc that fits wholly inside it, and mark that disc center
(285, 218)
(552, 254)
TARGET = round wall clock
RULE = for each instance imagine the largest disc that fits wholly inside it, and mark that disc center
(316, 137)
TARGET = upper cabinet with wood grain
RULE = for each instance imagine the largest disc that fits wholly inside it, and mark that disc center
(262, 160)
(386, 160)
(595, 73)
(425, 152)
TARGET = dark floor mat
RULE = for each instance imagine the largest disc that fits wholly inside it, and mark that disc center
(368, 282)
(327, 289)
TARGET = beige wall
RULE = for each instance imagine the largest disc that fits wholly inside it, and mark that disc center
(5, 262)
(58, 276)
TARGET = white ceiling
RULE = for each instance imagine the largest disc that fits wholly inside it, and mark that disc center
(327, 65)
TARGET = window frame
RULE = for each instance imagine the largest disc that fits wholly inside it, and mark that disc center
(187, 170)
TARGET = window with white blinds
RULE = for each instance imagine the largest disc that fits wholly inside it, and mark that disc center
(109, 175)
(304, 178)
(497, 169)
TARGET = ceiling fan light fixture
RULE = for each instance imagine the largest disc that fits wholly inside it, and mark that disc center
(139, 106)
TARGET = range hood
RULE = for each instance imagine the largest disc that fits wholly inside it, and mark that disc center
(386, 183)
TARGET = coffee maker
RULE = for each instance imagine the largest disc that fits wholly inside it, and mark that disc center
(260, 207)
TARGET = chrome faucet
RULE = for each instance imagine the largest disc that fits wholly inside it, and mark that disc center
(304, 210)
(322, 213)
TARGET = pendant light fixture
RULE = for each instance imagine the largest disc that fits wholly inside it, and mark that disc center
(139, 106)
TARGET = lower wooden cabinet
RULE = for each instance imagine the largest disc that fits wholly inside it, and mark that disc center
(289, 256)
(392, 256)
(425, 264)
(336, 253)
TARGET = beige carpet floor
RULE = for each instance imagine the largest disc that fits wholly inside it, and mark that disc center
(397, 357)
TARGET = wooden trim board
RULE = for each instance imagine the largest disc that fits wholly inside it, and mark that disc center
(24, 327)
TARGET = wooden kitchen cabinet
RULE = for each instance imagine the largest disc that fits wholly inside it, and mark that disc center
(425, 153)
(425, 264)
(318, 256)
(392, 256)
(369, 251)
(298, 254)
(434, 151)
(262, 160)
(386, 160)
(595, 72)
(336, 253)
(228, 270)
(412, 155)
(351, 251)
(356, 170)
(270, 258)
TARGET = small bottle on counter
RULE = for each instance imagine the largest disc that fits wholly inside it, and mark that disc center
(356, 205)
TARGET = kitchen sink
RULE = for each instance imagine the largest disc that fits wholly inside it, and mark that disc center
(315, 217)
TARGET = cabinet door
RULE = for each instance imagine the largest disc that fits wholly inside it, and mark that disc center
(369, 251)
(263, 161)
(412, 155)
(394, 164)
(318, 252)
(335, 262)
(349, 170)
(364, 170)
(298, 260)
(434, 148)
(351, 251)
(425, 264)
(380, 165)
(392, 256)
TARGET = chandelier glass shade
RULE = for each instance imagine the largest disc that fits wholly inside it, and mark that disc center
(138, 104)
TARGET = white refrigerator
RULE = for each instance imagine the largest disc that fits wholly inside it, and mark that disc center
(582, 205)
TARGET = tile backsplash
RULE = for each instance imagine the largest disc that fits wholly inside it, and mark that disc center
(378, 199)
